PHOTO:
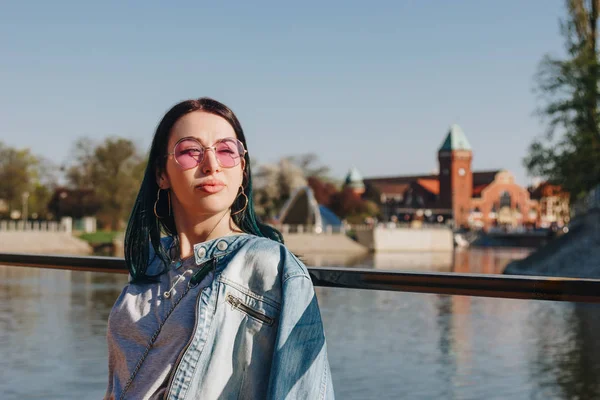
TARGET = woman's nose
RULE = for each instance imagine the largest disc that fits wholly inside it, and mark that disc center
(210, 164)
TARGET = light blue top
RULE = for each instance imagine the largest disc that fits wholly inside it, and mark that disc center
(354, 179)
(251, 329)
(455, 140)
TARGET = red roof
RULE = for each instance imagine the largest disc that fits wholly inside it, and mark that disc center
(391, 188)
(431, 185)
(399, 179)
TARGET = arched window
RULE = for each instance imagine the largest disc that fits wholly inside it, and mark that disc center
(505, 199)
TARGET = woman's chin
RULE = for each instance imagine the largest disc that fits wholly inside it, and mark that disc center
(211, 206)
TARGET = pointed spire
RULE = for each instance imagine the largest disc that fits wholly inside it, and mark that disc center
(455, 140)
(354, 179)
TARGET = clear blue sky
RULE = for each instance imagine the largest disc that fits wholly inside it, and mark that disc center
(370, 84)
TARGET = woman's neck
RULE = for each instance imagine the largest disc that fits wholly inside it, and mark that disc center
(198, 229)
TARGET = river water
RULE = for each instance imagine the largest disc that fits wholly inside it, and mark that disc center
(382, 345)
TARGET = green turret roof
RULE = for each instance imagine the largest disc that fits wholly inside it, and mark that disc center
(455, 140)
(354, 179)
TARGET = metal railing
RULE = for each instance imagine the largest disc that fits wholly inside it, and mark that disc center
(499, 286)
(32, 226)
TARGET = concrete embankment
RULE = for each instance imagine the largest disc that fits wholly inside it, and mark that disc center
(42, 243)
(309, 243)
(407, 239)
(575, 254)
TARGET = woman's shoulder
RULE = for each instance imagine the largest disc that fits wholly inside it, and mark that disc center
(272, 254)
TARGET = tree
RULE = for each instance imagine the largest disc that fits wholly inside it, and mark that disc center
(569, 90)
(323, 191)
(310, 166)
(25, 178)
(17, 170)
(114, 170)
(75, 203)
(349, 205)
(274, 184)
(79, 175)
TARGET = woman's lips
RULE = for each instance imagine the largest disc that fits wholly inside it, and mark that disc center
(212, 187)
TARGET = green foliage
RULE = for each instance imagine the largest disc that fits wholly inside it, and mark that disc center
(113, 169)
(568, 153)
(100, 237)
(24, 178)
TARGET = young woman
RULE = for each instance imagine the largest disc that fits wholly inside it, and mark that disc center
(218, 308)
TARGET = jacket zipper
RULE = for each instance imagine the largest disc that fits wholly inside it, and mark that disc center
(240, 305)
(191, 339)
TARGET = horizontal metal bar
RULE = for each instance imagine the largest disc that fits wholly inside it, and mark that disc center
(486, 285)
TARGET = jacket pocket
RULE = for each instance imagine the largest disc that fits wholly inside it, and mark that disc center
(237, 303)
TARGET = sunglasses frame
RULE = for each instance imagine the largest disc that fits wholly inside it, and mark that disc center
(205, 148)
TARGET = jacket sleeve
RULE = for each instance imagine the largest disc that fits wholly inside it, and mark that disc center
(300, 368)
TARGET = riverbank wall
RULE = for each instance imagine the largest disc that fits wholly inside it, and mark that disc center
(41, 242)
(380, 239)
(372, 240)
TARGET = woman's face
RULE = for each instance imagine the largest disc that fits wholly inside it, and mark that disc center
(208, 188)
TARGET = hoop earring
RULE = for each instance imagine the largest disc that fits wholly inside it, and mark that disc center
(156, 202)
(245, 205)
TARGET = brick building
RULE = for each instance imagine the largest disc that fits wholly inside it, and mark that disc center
(467, 198)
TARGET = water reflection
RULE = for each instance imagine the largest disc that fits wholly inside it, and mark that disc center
(565, 354)
(381, 344)
(52, 332)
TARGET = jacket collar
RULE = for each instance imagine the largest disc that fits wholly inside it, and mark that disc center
(219, 246)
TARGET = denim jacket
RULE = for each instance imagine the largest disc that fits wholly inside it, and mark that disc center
(254, 329)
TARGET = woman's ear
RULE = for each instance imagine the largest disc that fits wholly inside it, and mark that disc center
(162, 180)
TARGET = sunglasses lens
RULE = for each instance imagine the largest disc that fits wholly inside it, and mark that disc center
(229, 152)
(188, 153)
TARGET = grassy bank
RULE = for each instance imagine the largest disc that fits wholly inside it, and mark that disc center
(100, 237)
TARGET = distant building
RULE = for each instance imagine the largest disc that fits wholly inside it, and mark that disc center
(302, 209)
(470, 199)
(354, 181)
(553, 205)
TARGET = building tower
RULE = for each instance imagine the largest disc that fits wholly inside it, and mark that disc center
(354, 181)
(455, 175)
